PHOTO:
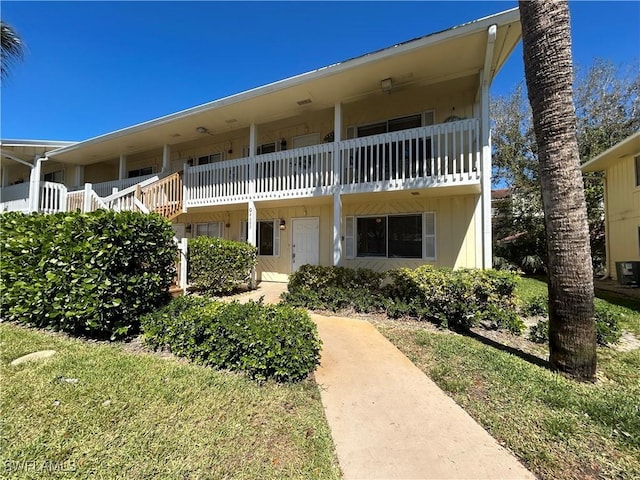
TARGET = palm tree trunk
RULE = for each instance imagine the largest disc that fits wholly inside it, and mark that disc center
(546, 39)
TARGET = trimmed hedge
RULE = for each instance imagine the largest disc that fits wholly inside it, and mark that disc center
(335, 288)
(218, 266)
(92, 274)
(265, 341)
(457, 299)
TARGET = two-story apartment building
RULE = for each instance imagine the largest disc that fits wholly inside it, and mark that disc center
(380, 161)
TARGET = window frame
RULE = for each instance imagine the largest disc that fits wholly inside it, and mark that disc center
(139, 172)
(427, 118)
(428, 236)
(244, 232)
(51, 176)
(220, 227)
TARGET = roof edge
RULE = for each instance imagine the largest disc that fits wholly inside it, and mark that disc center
(597, 163)
(500, 18)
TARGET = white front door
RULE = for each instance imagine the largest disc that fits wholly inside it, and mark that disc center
(305, 244)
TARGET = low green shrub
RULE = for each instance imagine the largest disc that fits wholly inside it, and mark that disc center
(607, 318)
(265, 341)
(218, 266)
(608, 331)
(535, 306)
(92, 274)
(539, 333)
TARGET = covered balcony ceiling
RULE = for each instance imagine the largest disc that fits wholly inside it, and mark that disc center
(458, 53)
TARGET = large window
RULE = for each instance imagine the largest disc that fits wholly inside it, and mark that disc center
(637, 171)
(391, 236)
(267, 236)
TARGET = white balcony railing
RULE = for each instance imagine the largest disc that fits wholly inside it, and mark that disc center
(444, 154)
(52, 198)
(432, 156)
(104, 189)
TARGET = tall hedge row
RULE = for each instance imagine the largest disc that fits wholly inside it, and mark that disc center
(218, 266)
(92, 274)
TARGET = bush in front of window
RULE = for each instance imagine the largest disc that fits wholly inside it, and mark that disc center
(217, 266)
(267, 342)
(457, 299)
(335, 288)
(91, 274)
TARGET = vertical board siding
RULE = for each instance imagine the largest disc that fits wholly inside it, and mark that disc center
(623, 212)
(455, 230)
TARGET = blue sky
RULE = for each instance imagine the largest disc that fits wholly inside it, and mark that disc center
(94, 67)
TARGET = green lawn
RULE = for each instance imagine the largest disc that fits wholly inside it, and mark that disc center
(558, 428)
(627, 307)
(139, 416)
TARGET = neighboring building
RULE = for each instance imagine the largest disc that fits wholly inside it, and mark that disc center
(19, 157)
(380, 161)
(621, 166)
(499, 197)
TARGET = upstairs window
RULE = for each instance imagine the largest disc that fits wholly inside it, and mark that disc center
(637, 161)
(139, 172)
(205, 159)
(392, 125)
(57, 176)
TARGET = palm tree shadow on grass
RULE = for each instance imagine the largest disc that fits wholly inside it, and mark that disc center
(526, 356)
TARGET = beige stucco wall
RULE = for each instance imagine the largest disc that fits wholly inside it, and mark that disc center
(623, 212)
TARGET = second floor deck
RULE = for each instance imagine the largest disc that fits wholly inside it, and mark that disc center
(432, 156)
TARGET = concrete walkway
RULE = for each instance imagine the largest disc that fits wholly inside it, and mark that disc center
(388, 420)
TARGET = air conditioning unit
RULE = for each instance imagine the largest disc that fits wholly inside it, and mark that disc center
(628, 273)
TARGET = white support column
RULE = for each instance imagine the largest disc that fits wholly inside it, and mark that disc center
(485, 127)
(79, 176)
(487, 257)
(252, 235)
(5, 176)
(122, 167)
(166, 158)
(183, 264)
(252, 217)
(34, 185)
(337, 200)
(86, 198)
(186, 179)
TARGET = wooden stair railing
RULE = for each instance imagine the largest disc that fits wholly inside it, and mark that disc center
(164, 196)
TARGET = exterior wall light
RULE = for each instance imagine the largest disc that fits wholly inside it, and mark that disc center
(386, 85)
(283, 224)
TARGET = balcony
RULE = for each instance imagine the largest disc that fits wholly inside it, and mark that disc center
(435, 156)
(438, 155)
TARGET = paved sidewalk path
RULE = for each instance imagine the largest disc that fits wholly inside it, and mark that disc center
(390, 421)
